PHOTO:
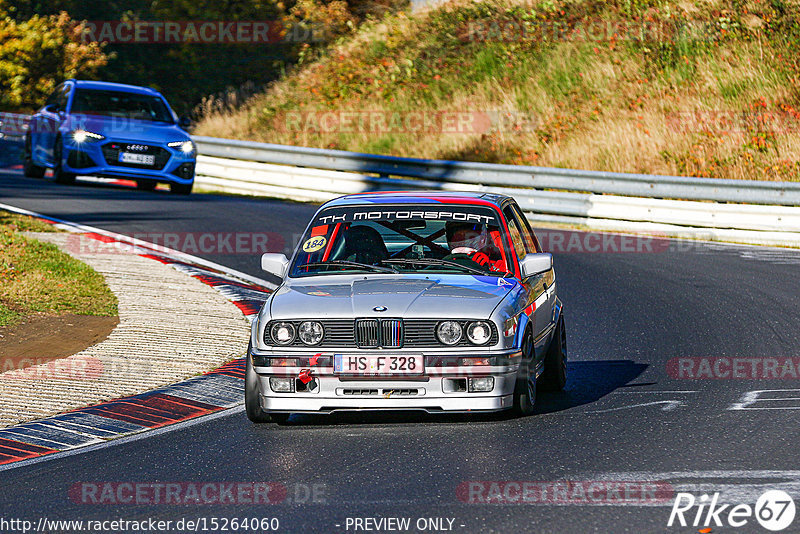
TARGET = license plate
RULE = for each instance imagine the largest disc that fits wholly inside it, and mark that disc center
(360, 364)
(141, 159)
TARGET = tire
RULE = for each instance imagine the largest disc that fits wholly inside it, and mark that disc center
(525, 387)
(31, 170)
(252, 403)
(146, 185)
(554, 377)
(60, 176)
(181, 189)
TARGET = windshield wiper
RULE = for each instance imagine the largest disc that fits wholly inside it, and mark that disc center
(436, 261)
(346, 263)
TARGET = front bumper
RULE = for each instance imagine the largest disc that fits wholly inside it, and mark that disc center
(96, 159)
(438, 390)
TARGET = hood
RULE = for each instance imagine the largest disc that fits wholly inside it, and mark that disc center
(121, 129)
(432, 296)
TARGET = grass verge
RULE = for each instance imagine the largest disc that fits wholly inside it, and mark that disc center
(37, 277)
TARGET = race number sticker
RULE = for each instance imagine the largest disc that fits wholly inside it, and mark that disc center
(314, 244)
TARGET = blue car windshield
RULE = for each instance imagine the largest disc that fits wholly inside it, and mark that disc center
(121, 104)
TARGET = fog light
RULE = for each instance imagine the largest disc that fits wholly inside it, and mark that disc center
(483, 383)
(281, 384)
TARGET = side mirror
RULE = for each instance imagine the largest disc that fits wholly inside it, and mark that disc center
(534, 264)
(276, 264)
(184, 122)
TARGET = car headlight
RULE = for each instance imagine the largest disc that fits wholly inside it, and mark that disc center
(187, 147)
(82, 136)
(311, 332)
(479, 332)
(282, 333)
(449, 332)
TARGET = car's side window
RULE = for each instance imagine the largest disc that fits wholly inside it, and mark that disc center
(531, 243)
(516, 234)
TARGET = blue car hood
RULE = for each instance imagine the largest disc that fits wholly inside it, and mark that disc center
(123, 129)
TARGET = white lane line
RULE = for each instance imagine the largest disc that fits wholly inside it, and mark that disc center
(146, 246)
(124, 439)
(734, 486)
(756, 396)
(668, 406)
(665, 391)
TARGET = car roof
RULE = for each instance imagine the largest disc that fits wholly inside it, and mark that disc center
(475, 198)
(112, 86)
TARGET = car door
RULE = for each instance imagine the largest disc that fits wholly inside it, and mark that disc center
(532, 245)
(540, 295)
(49, 121)
(42, 128)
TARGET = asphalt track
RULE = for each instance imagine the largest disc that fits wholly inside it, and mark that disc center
(622, 417)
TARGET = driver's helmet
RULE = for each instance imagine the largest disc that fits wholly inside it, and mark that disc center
(466, 238)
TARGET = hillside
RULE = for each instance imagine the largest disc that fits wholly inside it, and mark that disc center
(703, 89)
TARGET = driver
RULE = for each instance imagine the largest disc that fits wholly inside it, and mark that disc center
(474, 241)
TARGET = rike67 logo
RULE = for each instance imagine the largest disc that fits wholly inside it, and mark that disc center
(774, 510)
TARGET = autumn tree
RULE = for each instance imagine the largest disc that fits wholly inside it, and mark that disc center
(39, 53)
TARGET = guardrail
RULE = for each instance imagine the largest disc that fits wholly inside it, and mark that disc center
(463, 172)
(675, 205)
(734, 210)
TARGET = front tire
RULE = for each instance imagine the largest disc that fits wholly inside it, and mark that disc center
(525, 387)
(29, 168)
(554, 377)
(252, 402)
(60, 176)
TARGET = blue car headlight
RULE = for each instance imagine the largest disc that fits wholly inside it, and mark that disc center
(187, 147)
(84, 136)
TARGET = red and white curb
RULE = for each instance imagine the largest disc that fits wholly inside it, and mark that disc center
(216, 391)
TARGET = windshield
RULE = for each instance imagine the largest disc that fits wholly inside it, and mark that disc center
(121, 104)
(425, 238)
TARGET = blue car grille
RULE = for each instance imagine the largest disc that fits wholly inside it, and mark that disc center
(111, 154)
